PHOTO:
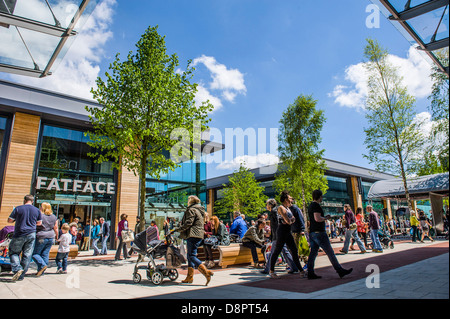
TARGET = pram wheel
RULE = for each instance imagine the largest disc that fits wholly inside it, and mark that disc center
(137, 278)
(157, 277)
(173, 274)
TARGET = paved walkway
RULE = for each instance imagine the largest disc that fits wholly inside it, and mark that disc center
(104, 278)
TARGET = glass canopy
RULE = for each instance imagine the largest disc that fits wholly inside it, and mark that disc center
(36, 34)
(423, 23)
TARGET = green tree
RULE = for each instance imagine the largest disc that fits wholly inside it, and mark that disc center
(393, 135)
(243, 193)
(303, 166)
(439, 107)
(145, 99)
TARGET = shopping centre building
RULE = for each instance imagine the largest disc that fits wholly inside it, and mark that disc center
(44, 152)
(347, 184)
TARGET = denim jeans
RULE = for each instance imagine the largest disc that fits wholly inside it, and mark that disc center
(61, 261)
(320, 240)
(94, 244)
(415, 233)
(286, 255)
(41, 251)
(376, 244)
(104, 250)
(348, 235)
(192, 246)
(21, 245)
(252, 245)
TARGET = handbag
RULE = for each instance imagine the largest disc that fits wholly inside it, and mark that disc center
(211, 241)
(127, 235)
(353, 226)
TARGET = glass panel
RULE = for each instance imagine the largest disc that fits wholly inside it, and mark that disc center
(425, 25)
(2, 132)
(69, 179)
(25, 45)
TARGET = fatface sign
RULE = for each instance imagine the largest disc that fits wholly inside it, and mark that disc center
(76, 186)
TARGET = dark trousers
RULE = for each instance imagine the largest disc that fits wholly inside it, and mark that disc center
(252, 245)
(320, 240)
(284, 237)
(415, 233)
(122, 246)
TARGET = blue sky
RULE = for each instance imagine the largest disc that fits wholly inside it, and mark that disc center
(254, 57)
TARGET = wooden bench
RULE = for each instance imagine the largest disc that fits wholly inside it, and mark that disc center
(73, 253)
(234, 254)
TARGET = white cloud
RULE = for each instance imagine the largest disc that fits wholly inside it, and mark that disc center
(249, 161)
(203, 95)
(227, 83)
(78, 69)
(414, 69)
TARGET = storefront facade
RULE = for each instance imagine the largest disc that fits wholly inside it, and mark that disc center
(44, 151)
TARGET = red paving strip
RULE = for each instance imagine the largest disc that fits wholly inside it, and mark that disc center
(295, 283)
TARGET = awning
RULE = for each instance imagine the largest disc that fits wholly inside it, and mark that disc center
(418, 187)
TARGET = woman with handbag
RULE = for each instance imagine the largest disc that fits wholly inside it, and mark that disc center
(192, 229)
(352, 231)
(123, 226)
(215, 234)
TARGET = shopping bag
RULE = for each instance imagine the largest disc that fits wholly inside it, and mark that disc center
(303, 246)
(127, 235)
(183, 250)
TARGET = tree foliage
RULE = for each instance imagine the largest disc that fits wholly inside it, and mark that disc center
(143, 99)
(303, 166)
(243, 194)
(393, 135)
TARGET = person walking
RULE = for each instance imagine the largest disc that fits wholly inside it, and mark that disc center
(123, 225)
(95, 236)
(104, 235)
(361, 227)
(374, 226)
(318, 238)
(86, 236)
(352, 231)
(271, 206)
(192, 229)
(63, 250)
(414, 223)
(254, 238)
(284, 235)
(425, 226)
(25, 219)
(45, 236)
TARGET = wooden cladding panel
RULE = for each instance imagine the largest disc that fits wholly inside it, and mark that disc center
(127, 197)
(20, 163)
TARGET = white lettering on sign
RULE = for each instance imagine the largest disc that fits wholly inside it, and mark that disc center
(77, 185)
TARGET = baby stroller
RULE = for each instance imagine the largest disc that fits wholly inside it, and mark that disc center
(146, 244)
(385, 239)
(5, 239)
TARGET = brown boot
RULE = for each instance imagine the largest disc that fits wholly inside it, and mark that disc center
(190, 276)
(205, 272)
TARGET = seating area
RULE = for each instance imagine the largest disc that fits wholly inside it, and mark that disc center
(73, 253)
(234, 254)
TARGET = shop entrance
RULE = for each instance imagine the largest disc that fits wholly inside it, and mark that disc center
(87, 212)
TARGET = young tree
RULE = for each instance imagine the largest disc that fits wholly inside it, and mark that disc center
(299, 139)
(242, 194)
(393, 135)
(144, 100)
(439, 99)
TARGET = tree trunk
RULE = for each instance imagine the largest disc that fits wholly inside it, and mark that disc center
(142, 191)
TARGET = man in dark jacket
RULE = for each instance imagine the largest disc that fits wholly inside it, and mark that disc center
(272, 208)
(298, 227)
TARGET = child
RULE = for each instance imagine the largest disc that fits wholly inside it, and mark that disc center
(63, 249)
